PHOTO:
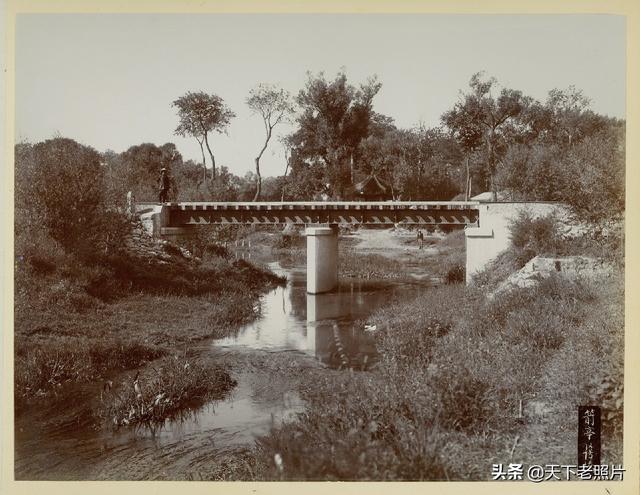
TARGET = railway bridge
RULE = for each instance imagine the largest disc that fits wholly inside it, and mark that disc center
(486, 224)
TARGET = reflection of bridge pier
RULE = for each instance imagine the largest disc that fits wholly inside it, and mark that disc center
(333, 343)
(320, 309)
(486, 225)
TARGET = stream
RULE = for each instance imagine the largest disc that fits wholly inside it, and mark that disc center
(327, 330)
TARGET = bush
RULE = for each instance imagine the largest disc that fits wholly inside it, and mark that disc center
(60, 183)
(532, 237)
(455, 274)
(290, 239)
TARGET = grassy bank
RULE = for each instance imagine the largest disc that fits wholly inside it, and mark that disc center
(84, 321)
(449, 260)
(164, 390)
(464, 382)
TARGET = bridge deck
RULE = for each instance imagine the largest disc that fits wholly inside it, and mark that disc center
(310, 212)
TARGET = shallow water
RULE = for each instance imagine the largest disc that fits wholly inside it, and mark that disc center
(328, 328)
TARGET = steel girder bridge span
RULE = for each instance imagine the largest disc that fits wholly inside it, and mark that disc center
(486, 224)
(307, 213)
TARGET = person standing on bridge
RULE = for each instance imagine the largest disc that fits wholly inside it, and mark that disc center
(165, 185)
(420, 239)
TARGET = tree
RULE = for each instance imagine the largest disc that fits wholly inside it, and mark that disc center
(306, 181)
(188, 179)
(594, 174)
(483, 121)
(137, 169)
(335, 117)
(570, 116)
(531, 172)
(24, 175)
(60, 184)
(225, 186)
(419, 164)
(200, 114)
(274, 105)
(285, 141)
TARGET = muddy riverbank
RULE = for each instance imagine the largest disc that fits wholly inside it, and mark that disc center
(294, 341)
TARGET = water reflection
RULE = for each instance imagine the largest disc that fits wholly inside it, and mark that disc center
(237, 420)
(328, 326)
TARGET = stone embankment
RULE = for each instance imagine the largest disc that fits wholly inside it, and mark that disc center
(141, 243)
(540, 268)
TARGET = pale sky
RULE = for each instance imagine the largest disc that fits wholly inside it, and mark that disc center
(108, 80)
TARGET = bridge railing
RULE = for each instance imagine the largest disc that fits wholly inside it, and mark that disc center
(259, 205)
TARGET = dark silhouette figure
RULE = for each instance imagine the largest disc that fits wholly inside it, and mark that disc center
(420, 239)
(165, 185)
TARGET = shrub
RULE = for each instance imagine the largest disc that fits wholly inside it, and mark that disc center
(290, 239)
(455, 274)
(60, 183)
(216, 250)
(40, 251)
(532, 237)
(209, 243)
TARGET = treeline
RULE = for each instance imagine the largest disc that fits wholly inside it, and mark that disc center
(492, 139)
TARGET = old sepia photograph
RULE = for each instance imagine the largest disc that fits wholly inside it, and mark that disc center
(319, 247)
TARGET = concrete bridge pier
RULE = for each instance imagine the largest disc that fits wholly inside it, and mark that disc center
(322, 259)
(487, 232)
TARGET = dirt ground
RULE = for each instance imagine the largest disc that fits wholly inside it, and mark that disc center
(399, 244)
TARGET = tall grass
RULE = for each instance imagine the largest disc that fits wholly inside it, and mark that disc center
(42, 365)
(449, 262)
(352, 264)
(456, 383)
(368, 430)
(81, 320)
(165, 389)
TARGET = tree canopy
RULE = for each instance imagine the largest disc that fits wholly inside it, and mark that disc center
(334, 118)
(274, 105)
(60, 184)
(492, 138)
(201, 113)
(485, 121)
